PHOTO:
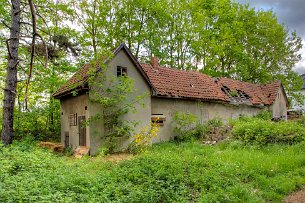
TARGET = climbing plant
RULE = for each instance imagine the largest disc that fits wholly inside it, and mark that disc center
(117, 96)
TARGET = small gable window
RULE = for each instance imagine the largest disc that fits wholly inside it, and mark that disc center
(121, 71)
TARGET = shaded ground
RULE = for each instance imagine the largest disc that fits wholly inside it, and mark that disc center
(118, 157)
(296, 197)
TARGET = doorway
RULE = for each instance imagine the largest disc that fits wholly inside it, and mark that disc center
(82, 131)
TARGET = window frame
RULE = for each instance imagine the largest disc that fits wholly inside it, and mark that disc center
(158, 119)
(73, 119)
(121, 71)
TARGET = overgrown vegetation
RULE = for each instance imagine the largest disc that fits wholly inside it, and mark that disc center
(117, 96)
(142, 141)
(250, 130)
(260, 131)
(168, 172)
(226, 38)
(188, 127)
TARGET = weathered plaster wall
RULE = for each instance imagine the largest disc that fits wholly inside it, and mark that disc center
(279, 107)
(203, 110)
(69, 106)
(142, 114)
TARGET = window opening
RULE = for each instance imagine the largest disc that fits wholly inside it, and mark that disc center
(121, 71)
(158, 119)
(73, 119)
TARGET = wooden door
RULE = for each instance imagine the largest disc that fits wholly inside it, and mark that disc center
(82, 131)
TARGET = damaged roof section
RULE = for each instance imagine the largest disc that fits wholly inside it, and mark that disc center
(236, 96)
(244, 92)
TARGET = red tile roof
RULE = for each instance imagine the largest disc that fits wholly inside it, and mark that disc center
(77, 80)
(169, 82)
(173, 83)
(259, 93)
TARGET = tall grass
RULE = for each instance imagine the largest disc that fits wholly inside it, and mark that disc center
(169, 172)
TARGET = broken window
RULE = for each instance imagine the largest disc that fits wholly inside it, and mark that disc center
(158, 119)
(73, 119)
(121, 71)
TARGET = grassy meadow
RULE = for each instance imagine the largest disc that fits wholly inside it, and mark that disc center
(169, 172)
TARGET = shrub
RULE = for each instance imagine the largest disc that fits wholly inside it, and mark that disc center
(265, 115)
(142, 140)
(186, 126)
(215, 129)
(255, 130)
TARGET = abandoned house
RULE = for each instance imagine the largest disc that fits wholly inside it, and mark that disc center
(170, 90)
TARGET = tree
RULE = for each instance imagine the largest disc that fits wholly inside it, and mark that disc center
(11, 78)
(23, 45)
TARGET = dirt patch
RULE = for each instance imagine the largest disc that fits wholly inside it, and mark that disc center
(117, 157)
(81, 151)
(296, 197)
(56, 147)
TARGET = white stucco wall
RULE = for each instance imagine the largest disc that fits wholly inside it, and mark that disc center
(203, 110)
(140, 115)
(279, 107)
(73, 105)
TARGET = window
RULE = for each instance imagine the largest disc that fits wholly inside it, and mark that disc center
(73, 119)
(121, 71)
(158, 119)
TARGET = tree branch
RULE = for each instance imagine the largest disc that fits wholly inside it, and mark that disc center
(35, 34)
(5, 89)
(6, 25)
(8, 47)
(34, 25)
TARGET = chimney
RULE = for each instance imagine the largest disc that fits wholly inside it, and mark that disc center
(154, 62)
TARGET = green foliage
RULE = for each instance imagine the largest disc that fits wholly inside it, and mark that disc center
(142, 140)
(233, 93)
(215, 130)
(68, 151)
(225, 37)
(190, 172)
(118, 97)
(264, 115)
(255, 130)
(186, 126)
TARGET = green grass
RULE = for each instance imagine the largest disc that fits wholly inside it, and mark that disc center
(168, 173)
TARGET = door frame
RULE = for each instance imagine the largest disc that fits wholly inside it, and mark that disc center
(82, 131)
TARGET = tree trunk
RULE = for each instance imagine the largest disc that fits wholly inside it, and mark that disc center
(11, 78)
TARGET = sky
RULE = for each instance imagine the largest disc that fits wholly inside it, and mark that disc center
(289, 12)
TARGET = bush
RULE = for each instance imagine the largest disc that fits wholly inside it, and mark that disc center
(264, 115)
(187, 127)
(255, 130)
(215, 129)
(142, 141)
